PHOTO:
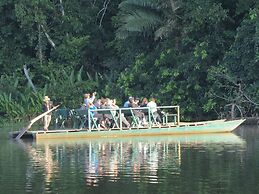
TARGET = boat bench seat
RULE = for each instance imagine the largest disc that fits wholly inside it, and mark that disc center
(166, 118)
(152, 116)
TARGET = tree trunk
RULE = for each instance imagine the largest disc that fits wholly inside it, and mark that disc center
(40, 45)
(26, 72)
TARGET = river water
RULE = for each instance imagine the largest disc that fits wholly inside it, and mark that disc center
(219, 163)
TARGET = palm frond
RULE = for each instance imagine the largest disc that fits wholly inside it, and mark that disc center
(142, 21)
(129, 4)
(139, 21)
(79, 74)
(122, 33)
(164, 30)
(72, 77)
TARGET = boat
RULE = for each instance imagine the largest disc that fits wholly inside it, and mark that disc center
(87, 126)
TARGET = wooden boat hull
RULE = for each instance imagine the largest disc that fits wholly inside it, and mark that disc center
(209, 138)
(183, 129)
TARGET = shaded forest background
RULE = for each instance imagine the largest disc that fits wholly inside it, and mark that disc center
(200, 54)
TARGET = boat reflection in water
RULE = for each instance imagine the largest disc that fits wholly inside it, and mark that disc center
(40, 161)
(136, 159)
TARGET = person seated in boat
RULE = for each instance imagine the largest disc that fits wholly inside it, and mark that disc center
(144, 102)
(103, 104)
(106, 118)
(123, 119)
(89, 98)
(153, 109)
(113, 113)
(138, 113)
(126, 104)
(47, 105)
(95, 115)
(137, 101)
(98, 103)
(83, 107)
(111, 104)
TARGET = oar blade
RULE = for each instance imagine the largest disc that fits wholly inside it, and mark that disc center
(22, 131)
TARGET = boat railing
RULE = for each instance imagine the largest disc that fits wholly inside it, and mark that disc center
(117, 118)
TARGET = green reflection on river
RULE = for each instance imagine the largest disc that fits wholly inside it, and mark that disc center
(218, 163)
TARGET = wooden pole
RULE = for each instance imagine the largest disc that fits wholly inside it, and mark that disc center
(23, 130)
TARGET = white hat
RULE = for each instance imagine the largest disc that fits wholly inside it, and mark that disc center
(46, 98)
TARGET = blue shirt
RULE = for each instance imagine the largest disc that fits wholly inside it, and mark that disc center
(91, 108)
(126, 104)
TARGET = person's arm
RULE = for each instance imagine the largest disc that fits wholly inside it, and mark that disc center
(51, 104)
(92, 97)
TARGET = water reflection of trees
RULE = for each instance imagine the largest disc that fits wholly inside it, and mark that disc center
(149, 160)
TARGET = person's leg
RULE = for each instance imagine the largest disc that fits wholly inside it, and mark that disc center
(157, 117)
(49, 120)
(140, 116)
(45, 122)
(124, 121)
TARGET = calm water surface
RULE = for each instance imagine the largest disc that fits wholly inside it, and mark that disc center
(226, 163)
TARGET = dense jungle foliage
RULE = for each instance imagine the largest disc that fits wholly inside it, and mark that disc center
(200, 54)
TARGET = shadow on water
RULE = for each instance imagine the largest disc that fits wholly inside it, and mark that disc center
(248, 132)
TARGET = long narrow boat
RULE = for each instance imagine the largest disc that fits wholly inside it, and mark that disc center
(86, 124)
(181, 129)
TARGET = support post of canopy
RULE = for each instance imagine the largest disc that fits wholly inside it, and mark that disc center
(178, 115)
(89, 120)
(120, 120)
(149, 118)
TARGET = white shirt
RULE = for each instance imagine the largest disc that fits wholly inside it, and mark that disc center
(152, 105)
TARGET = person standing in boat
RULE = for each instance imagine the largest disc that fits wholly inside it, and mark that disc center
(47, 105)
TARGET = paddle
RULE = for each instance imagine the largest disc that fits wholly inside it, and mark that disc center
(23, 130)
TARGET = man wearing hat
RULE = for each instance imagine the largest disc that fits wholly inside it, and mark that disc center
(47, 105)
